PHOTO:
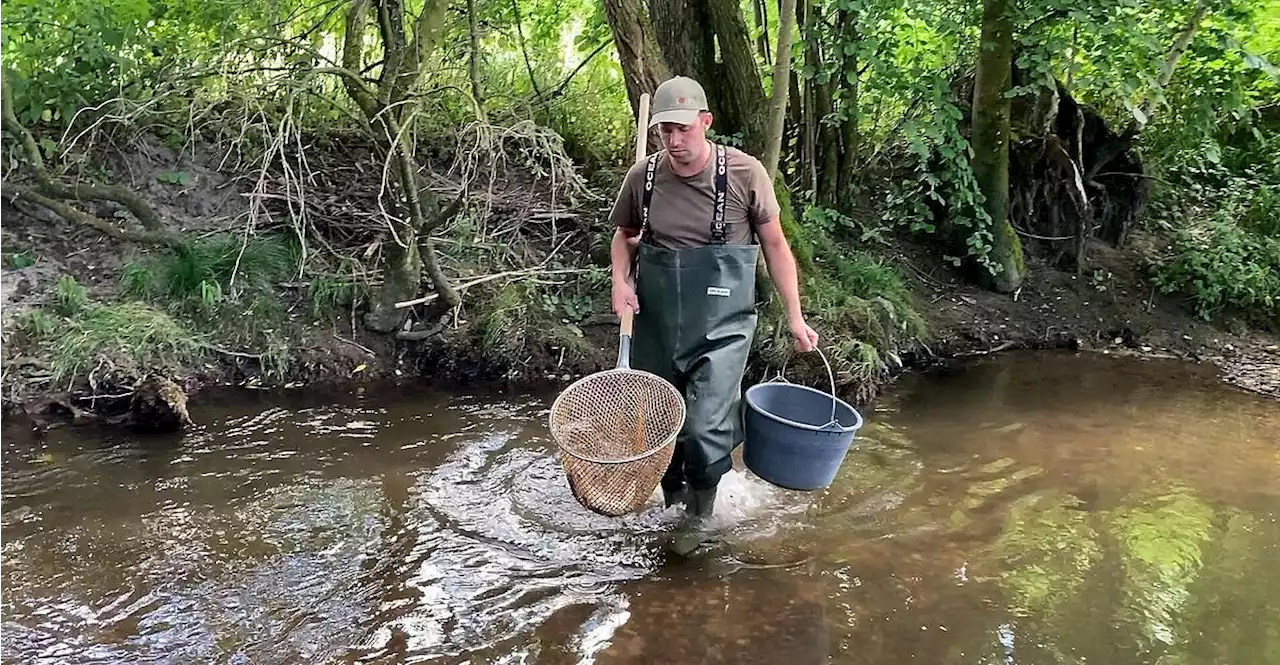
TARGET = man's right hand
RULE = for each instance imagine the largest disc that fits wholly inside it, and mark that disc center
(624, 296)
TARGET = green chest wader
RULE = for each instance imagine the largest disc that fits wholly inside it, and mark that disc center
(695, 327)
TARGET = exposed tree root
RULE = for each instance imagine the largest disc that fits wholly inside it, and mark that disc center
(51, 194)
(18, 194)
(1071, 178)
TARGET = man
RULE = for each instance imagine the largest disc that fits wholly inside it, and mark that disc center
(691, 237)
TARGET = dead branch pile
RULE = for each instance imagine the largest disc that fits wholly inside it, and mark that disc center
(517, 190)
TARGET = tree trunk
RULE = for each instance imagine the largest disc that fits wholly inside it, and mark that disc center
(473, 61)
(795, 135)
(688, 32)
(828, 148)
(683, 31)
(808, 118)
(824, 156)
(742, 94)
(762, 22)
(991, 138)
(408, 246)
(643, 66)
(849, 140)
(781, 89)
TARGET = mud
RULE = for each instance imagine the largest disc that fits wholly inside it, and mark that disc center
(1111, 309)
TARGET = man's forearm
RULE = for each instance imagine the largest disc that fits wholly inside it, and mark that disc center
(622, 255)
(782, 270)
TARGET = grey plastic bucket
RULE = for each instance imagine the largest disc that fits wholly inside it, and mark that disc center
(796, 437)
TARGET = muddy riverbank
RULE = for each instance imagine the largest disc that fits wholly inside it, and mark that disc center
(1054, 311)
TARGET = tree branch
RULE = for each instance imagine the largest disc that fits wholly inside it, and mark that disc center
(515, 8)
(559, 89)
(1170, 63)
(18, 194)
(391, 27)
(473, 60)
(353, 56)
(54, 189)
(426, 34)
(781, 89)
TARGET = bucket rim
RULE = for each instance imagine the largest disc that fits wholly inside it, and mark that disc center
(845, 429)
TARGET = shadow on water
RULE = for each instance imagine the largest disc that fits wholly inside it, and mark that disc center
(1021, 509)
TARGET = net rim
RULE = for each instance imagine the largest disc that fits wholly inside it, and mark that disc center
(666, 443)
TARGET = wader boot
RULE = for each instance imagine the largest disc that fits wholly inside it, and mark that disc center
(680, 495)
(695, 327)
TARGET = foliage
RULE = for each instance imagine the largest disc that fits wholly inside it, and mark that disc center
(1221, 213)
(211, 270)
(1217, 155)
(856, 300)
(231, 285)
(902, 59)
(260, 85)
(71, 54)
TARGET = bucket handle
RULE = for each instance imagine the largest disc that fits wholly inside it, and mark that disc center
(830, 376)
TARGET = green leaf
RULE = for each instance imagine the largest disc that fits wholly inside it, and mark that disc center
(174, 178)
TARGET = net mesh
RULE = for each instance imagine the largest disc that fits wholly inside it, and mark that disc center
(615, 432)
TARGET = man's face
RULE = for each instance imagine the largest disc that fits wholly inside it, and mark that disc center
(685, 143)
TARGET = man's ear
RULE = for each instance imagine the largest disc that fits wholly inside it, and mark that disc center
(706, 119)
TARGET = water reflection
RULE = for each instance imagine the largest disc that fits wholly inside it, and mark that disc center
(1040, 509)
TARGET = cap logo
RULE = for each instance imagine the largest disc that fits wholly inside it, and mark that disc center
(681, 100)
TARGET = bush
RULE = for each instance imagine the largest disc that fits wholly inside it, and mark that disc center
(855, 299)
(1223, 222)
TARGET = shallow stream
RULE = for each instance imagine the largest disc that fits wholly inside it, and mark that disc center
(1025, 509)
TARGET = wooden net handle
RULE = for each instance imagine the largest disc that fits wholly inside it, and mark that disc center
(642, 147)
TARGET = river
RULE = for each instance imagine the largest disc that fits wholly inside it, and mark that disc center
(1024, 508)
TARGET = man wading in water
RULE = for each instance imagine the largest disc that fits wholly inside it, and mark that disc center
(692, 235)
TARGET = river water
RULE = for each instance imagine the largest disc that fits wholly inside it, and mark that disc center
(1023, 509)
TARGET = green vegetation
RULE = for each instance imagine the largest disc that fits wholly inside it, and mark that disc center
(386, 151)
(81, 336)
(855, 298)
(1224, 248)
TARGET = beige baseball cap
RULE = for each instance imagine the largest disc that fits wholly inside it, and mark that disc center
(677, 100)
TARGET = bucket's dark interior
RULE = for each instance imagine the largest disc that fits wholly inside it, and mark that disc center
(800, 405)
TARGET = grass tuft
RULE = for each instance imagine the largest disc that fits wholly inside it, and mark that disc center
(131, 333)
(505, 324)
(212, 270)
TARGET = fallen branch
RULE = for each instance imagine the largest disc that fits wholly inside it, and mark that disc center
(17, 194)
(995, 349)
(238, 354)
(354, 343)
(495, 276)
(48, 191)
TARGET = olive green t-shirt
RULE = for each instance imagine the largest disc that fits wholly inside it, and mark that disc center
(680, 211)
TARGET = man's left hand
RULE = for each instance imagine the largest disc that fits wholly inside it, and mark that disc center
(806, 338)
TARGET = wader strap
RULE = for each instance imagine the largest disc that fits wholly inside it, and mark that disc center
(721, 194)
(721, 181)
(651, 165)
